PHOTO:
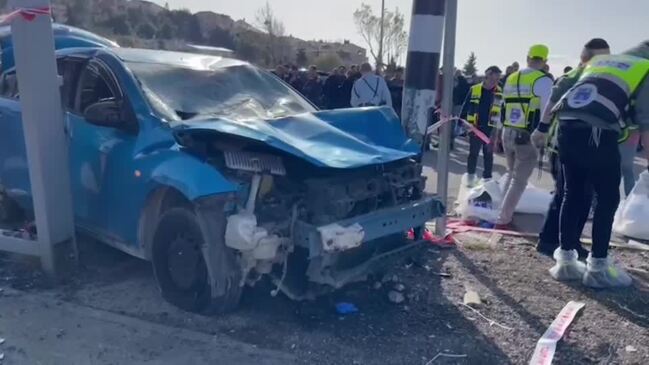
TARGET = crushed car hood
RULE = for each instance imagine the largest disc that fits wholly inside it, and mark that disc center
(347, 138)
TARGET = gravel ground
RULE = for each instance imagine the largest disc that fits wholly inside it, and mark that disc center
(520, 301)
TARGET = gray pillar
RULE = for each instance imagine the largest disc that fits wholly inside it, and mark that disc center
(45, 137)
(422, 65)
(447, 109)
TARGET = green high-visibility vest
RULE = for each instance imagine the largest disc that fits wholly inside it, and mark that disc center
(522, 106)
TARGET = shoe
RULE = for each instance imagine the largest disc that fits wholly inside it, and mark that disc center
(471, 180)
(567, 267)
(604, 273)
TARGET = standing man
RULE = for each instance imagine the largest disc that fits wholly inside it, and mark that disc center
(396, 90)
(482, 108)
(526, 94)
(611, 93)
(312, 88)
(549, 237)
(370, 89)
(331, 88)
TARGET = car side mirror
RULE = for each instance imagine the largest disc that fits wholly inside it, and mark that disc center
(105, 113)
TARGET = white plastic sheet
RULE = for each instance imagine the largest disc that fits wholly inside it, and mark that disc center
(632, 216)
(534, 200)
(484, 200)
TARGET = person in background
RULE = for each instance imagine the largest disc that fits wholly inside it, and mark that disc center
(331, 88)
(525, 95)
(546, 69)
(567, 69)
(312, 88)
(281, 72)
(549, 236)
(515, 67)
(482, 108)
(370, 89)
(508, 71)
(295, 79)
(348, 84)
(611, 93)
(396, 90)
(460, 91)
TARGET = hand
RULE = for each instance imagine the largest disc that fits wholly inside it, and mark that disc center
(539, 139)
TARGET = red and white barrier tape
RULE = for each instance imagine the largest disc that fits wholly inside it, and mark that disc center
(433, 128)
(547, 345)
(28, 14)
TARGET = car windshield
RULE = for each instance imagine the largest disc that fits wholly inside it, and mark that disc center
(240, 92)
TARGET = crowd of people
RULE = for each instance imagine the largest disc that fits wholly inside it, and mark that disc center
(342, 87)
(591, 122)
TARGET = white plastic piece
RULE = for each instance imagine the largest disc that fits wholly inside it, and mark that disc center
(252, 198)
(604, 273)
(633, 213)
(534, 200)
(242, 232)
(567, 267)
(480, 202)
(267, 248)
(338, 238)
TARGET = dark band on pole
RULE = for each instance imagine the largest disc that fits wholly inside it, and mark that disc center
(423, 70)
(429, 7)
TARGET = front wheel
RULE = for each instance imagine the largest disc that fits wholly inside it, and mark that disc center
(180, 267)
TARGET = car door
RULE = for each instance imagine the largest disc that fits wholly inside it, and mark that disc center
(102, 131)
(14, 173)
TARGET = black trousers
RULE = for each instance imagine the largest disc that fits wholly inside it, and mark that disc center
(475, 144)
(549, 236)
(589, 158)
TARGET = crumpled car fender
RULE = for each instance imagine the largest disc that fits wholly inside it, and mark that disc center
(192, 177)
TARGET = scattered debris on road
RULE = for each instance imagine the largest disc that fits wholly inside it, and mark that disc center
(547, 345)
(396, 297)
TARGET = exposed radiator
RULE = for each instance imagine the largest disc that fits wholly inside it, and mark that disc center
(255, 162)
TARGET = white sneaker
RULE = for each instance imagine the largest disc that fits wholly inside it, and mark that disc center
(567, 267)
(604, 273)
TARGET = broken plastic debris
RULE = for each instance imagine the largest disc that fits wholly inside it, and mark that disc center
(399, 287)
(346, 308)
(472, 297)
(630, 348)
(396, 297)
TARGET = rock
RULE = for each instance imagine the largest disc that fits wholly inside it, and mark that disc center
(400, 287)
(472, 297)
(396, 297)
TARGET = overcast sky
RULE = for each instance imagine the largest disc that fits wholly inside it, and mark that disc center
(498, 31)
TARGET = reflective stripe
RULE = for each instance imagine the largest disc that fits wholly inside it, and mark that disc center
(522, 106)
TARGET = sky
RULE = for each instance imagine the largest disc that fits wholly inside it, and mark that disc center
(498, 31)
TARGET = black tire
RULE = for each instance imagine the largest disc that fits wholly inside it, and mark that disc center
(180, 267)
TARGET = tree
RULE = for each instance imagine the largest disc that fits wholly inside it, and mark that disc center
(78, 13)
(471, 65)
(328, 62)
(119, 25)
(221, 38)
(395, 37)
(301, 58)
(146, 31)
(167, 31)
(274, 28)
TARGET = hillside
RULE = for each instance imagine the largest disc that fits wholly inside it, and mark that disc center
(139, 23)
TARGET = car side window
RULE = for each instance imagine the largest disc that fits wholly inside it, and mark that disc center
(69, 70)
(9, 86)
(93, 88)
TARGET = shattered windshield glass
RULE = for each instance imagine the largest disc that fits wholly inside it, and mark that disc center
(240, 92)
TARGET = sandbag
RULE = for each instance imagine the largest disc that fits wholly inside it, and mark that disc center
(632, 216)
(534, 200)
(480, 202)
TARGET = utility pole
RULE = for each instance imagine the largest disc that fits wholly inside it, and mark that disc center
(422, 65)
(447, 109)
(379, 61)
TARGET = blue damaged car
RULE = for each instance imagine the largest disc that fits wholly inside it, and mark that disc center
(222, 175)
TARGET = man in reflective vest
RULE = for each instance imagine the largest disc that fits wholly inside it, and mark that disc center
(549, 237)
(482, 108)
(611, 92)
(525, 95)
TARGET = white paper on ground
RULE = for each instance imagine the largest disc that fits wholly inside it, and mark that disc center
(547, 345)
(633, 213)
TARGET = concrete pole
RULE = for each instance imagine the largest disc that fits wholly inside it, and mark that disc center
(45, 138)
(447, 110)
(379, 61)
(422, 65)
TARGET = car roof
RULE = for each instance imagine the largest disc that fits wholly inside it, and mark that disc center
(180, 59)
(60, 30)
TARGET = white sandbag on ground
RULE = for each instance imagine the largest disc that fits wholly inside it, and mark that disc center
(479, 202)
(534, 200)
(632, 216)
